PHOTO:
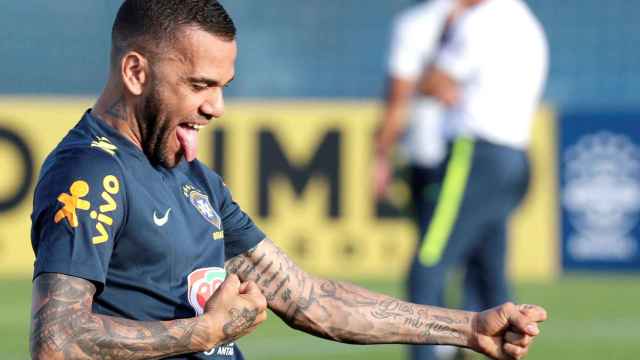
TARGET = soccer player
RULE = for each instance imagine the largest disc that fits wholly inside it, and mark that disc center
(490, 74)
(141, 252)
(417, 120)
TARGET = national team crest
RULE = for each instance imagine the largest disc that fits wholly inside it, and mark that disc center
(201, 202)
(202, 284)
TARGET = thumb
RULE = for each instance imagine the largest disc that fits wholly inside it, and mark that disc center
(534, 312)
(250, 291)
(231, 284)
(523, 324)
(250, 288)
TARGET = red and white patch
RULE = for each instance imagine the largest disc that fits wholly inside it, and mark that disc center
(202, 283)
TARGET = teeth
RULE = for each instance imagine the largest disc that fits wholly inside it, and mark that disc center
(195, 126)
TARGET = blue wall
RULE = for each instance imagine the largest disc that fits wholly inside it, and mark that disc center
(316, 48)
(595, 51)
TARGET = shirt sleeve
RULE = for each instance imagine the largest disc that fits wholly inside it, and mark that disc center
(415, 39)
(79, 207)
(241, 234)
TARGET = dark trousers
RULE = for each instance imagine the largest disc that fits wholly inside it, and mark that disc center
(462, 211)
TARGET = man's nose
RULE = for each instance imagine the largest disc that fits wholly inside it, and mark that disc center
(213, 106)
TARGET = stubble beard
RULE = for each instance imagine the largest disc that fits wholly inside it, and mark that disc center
(156, 133)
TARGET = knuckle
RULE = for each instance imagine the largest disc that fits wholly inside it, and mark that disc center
(516, 353)
(260, 301)
(506, 308)
(545, 313)
(509, 305)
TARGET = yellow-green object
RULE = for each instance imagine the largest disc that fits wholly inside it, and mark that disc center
(453, 187)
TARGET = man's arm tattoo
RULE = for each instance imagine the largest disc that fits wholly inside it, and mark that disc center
(342, 311)
(63, 327)
(240, 320)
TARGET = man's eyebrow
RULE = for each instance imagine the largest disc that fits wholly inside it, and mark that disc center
(208, 81)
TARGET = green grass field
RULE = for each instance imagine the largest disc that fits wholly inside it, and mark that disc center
(592, 317)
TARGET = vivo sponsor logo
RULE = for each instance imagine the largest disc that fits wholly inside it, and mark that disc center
(602, 196)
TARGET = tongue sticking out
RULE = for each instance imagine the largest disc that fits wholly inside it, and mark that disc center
(188, 138)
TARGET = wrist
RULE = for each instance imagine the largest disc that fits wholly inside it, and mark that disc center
(209, 332)
(473, 340)
(450, 327)
(383, 144)
(382, 152)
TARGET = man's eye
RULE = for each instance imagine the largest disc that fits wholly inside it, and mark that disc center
(199, 87)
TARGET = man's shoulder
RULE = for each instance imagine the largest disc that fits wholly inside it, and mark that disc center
(84, 149)
(79, 171)
(78, 155)
(498, 12)
(499, 21)
(424, 13)
(87, 142)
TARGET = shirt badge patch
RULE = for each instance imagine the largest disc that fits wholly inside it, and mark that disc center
(202, 283)
(201, 202)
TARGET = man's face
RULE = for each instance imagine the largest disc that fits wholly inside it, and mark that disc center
(184, 92)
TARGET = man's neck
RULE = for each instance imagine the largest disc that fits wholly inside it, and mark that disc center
(113, 108)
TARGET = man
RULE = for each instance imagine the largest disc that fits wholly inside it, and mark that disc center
(133, 235)
(418, 34)
(490, 73)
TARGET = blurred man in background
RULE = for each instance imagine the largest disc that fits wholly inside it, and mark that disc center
(489, 72)
(416, 119)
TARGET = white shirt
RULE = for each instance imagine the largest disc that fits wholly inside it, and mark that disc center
(414, 43)
(498, 54)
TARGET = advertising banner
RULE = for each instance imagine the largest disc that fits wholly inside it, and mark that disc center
(301, 170)
(600, 190)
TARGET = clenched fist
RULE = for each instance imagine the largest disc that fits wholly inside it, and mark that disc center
(505, 332)
(234, 310)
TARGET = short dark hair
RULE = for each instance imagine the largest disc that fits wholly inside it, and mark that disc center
(148, 25)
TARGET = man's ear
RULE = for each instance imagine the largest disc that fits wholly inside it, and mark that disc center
(135, 72)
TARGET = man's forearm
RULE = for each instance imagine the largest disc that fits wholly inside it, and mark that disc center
(399, 93)
(89, 336)
(64, 328)
(367, 318)
(440, 85)
(345, 312)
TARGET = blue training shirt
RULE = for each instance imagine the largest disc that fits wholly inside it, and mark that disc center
(153, 240)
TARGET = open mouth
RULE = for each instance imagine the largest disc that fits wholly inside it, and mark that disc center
(187, 134)
(193, 126)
